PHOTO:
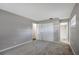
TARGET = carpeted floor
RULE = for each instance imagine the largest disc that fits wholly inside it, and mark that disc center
(40, 47)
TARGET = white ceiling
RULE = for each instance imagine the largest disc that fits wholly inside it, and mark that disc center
(39, 11)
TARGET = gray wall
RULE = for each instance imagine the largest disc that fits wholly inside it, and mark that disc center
(46, 31)
(49, 34)
(74, 31)
(14, 29)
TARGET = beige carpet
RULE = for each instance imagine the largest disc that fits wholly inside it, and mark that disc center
(40, 47)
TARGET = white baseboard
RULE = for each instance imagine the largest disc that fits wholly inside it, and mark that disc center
(72, 49)
(15, 46)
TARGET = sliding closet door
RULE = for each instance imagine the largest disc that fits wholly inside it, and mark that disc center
(46, 31)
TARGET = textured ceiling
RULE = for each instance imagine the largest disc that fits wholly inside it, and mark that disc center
(39, 11)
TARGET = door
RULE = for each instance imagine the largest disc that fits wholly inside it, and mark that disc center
(64, 32)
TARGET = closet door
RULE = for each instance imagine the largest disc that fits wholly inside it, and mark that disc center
(46, 31)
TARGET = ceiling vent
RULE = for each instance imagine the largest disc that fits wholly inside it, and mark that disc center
(50, 18)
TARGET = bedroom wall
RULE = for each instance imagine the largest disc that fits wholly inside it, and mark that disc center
(74, 30)
(49, 30)
(14, 29)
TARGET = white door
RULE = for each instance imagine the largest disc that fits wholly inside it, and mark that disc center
(64, 32)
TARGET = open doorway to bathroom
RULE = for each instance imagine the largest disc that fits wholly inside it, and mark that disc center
(64, 32)
(34, 27)
(35, 31)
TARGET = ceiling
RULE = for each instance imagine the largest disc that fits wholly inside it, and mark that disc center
(39, 11)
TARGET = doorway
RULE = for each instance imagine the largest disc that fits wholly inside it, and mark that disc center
(64, 32)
